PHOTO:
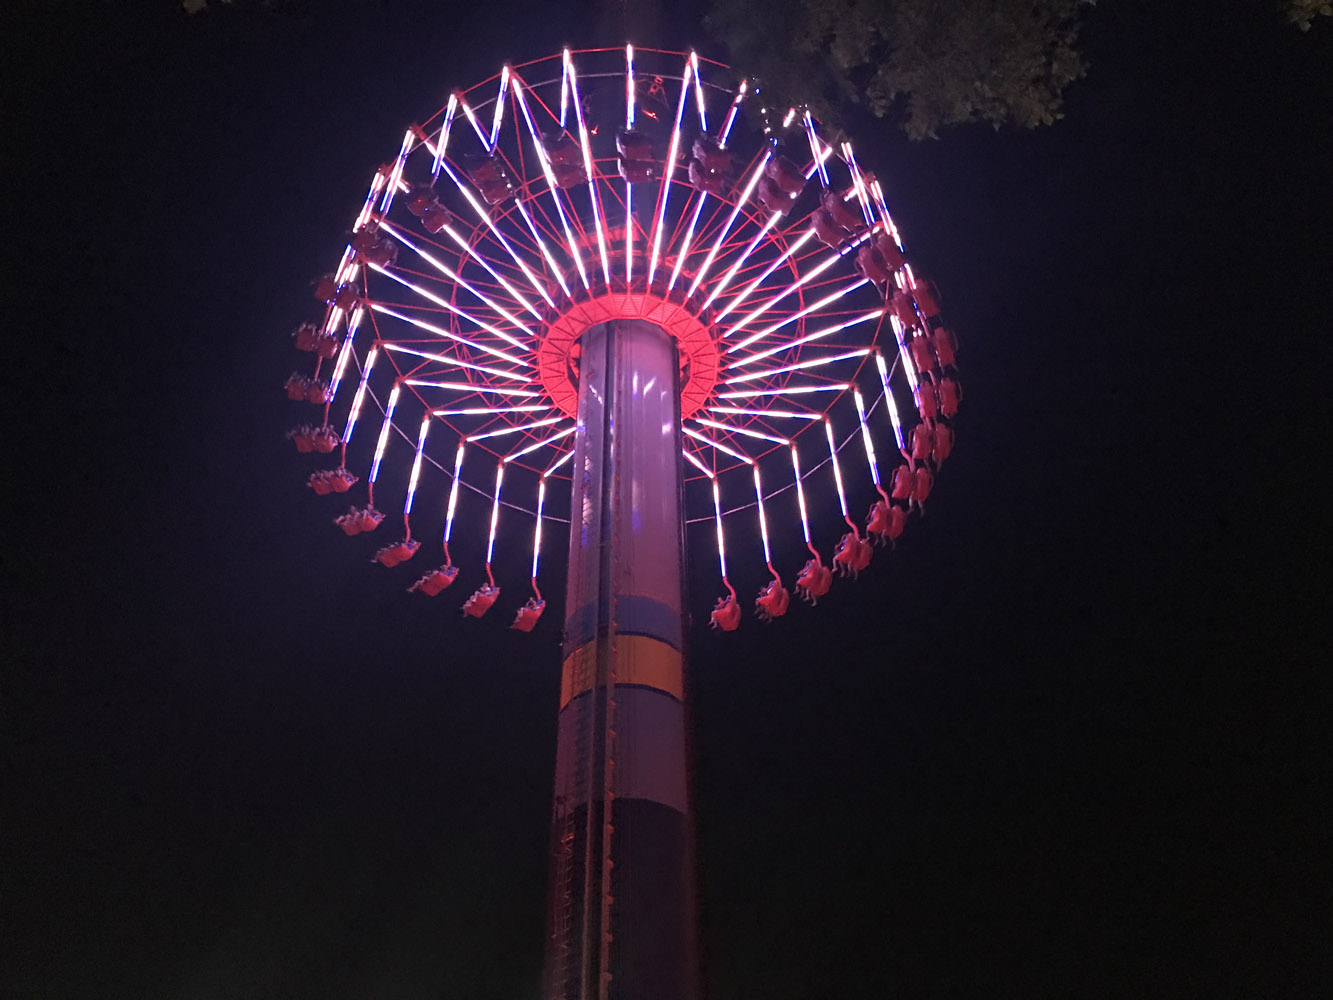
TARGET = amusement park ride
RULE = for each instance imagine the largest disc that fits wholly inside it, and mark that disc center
(614, 302)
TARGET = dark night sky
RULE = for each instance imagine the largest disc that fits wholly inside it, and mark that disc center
(1068, 740)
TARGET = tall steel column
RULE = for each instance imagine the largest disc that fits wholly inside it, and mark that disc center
(622, 923)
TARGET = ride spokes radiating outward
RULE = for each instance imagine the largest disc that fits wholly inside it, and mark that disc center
(596, 187)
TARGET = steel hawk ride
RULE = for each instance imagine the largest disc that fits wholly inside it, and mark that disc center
(592, 292)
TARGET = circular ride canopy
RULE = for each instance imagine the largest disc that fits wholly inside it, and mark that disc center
(627, 184)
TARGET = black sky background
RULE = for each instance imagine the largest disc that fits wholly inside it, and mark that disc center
(1070, 739)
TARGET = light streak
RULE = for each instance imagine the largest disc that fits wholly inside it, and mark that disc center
(786, 254)
(791, 390)
(717, 515)
(731, 113)
(495, 512)
(798, 366)
(541, 243)
(416, 466)
(763, 519)
(469, 387)
(397, 173)
(629, 188)
(384, 431)
(798, 284)
(449, 273)
(800, 493)
(341, 366)
(500, 238)
(685, 243)
(478, 410)
(889, 400)
(816, 147)
(453, 495)
(540, 444)
(448, 335)
(551, 184)
(476, 125)
(629, 231)
(865, 436)
(629, 86)
(668, 170)
(444, 359)
(837, 470)
(360, 395)
(376, 185)
(515, 429)
(587, 166)
(341, 270)
(878, 192)
(808, 234)
(718, 445)
(445, 127)
(480, 259)
(499, 108)
(760, 435)
(826, 300)
(859, 184)
(558, 462)
(909, 369)
(731, 219)
(780, 414)
(696, 463)
(745, 255)
(537, 531)
(698, 90)
(808, 338)
(564, 88)
(331, 318)
(456, 311)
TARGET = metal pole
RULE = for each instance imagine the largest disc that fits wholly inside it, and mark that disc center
(622, 894)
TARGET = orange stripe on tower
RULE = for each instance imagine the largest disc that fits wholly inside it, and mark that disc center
(636, 659)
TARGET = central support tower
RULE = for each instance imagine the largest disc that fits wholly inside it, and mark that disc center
(622, 922)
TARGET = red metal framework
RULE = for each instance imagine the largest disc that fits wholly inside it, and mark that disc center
(557, 357)
(613, 184)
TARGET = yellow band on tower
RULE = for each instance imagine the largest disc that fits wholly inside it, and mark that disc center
(635, 659)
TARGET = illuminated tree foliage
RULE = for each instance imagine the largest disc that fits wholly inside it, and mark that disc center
(933, 62)
(1303, 12)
